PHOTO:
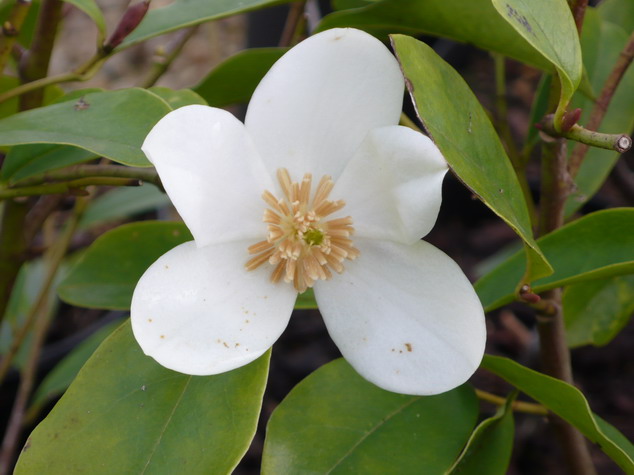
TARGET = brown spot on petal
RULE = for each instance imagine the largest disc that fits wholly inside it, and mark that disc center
(408, 346)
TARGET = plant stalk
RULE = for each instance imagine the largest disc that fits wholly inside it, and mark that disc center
(602, 103)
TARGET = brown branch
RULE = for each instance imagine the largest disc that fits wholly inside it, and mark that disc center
(11, 29)
(294, 21)
(38, 317)
(602, 103)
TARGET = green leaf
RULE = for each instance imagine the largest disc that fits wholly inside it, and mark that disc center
(234, 80)
(619, 12)
(11, 106)
(24, 161)
(596, 246)
(490, 445)
(469, 21)
(178, 98)
(549, 27)
(26, 289)
(347, 4)
(90, 8)
(60, 377)
(462, 131)
(596, 311)
(121, 203)
(109, 270)
(602, 43)
(568, 403)
(183, 13)
(124, 413)
(336, 422)
(306, 300)
(111, 124)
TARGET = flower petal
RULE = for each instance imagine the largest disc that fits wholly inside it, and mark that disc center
(199, 311)
(405, 317)
(316, 104)
(212, 173)
(392, 186)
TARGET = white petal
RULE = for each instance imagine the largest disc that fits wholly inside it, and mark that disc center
(316, 104)
(405, 317)
(199, 311)
(392, 186)
(211, 172)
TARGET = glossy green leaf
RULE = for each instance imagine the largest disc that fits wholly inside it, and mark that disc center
(178, 98)
(183, 13)
(306, 300)
(490, 446)
(596, 311)
(580, 251)
(121, 203)
(596, 246)
(124, 413)
(568, 403)
(108, 272)
(549, 27)
(111, 124)
(24, 161)
(469, 21)
(336, 422)
(60, 377)
(234, 80)
(602, 43)
(90, 8)
(462, 131)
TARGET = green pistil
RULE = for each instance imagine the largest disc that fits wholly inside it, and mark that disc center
(313, 237)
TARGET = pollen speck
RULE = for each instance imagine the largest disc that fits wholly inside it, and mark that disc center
(162, 337)
(303, 245)
(150, 320)
(224, 343)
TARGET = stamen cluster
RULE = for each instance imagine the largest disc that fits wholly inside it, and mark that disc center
(301, 245)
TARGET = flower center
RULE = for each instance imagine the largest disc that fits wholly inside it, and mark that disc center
(302, 245)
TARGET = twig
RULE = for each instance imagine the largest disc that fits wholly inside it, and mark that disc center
(75, 187)
(618, 142)
(556, 186)
(164, 60)
(578, 9)
(602, 103)
(13, 247)
(519, 406)
(11, 29)
(294, 22)
(42, 322)
(35, 63)
(91, 171)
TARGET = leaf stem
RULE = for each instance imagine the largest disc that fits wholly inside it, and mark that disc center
(555, 356)
(11, 29)
(164, 60)
(75, 187)
(82, 73)
(42, 321)
(618, 142)
(91, 171)
(602, 103)
(519, 406)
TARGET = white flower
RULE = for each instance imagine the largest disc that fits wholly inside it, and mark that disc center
(402, 313)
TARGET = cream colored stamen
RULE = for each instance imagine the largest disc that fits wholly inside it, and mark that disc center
(302, 246)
